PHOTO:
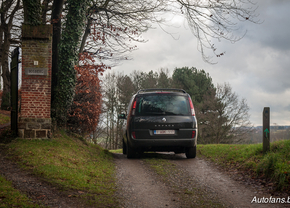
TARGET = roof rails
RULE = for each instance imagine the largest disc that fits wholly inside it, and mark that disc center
(161, 90)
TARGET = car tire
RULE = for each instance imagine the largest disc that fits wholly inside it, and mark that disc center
(130, 152)
(191, 152)
(124, 148)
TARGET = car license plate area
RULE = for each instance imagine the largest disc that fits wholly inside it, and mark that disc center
(164, 132)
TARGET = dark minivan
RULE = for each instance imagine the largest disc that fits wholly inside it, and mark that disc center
(160, 120)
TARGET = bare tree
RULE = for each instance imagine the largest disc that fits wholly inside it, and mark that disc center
(223, 117)
(110, 110)
(113, 25)
(236, 112)
(9, 36)
(122, 22)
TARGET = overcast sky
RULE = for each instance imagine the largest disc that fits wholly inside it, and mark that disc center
(257, 67)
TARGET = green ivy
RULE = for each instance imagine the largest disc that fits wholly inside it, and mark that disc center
(5, 104)
(68, 50)
(32, 11)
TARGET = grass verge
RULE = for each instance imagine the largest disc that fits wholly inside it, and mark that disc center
(71, 164)
(274, 165)
(10, 197)
(116, 151)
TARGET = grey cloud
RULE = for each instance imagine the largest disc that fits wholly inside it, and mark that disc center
(275, 29)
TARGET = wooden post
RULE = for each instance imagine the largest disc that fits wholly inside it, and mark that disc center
(266, 129)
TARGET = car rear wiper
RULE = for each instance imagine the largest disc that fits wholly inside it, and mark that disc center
(171, 113)
(157, 113)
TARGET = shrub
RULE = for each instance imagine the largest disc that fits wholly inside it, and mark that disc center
(83, 116)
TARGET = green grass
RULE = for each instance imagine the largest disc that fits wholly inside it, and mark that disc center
(117, 151)
(10, 197)
(4, 119)
(275, 165)
(70, 163)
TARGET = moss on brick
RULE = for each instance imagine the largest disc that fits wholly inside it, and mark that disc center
(37, 32)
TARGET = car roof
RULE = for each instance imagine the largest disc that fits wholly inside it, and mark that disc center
(154, 90)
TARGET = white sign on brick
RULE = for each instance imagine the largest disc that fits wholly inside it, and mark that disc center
(36, 71)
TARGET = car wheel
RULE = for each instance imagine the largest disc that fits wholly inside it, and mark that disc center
(130, 152)
(191, 152)
(124, 148)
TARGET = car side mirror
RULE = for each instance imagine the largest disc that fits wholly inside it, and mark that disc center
(122, 116)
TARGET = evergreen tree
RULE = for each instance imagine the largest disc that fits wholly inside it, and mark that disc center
(195, 82)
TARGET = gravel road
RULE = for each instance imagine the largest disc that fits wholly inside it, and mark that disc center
(140, 187)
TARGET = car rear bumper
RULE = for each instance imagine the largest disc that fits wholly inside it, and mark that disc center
(161, 144)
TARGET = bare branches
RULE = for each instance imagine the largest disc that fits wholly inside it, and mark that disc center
(216, 19)
(209, 21)
(115, 25)
(10, 11)
(224, 118)
(45, 8)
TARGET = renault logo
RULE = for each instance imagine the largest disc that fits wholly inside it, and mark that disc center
(164, 119)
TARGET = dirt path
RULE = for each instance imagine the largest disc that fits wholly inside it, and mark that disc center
(139, 187)
(235, 193)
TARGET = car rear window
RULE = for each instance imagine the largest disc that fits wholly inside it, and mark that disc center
(162, 104)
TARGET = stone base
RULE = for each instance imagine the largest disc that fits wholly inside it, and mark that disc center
(34, 128)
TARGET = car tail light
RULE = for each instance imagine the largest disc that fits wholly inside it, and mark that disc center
(191, 107)
(193, 134)
(134, 108)
(133, 134)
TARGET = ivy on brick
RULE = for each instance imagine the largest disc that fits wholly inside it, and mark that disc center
(32, 11)
(68, 51)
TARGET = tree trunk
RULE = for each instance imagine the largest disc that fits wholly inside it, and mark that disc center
(5, 70)
(44, 11)
(86, 34)
(5, 36)
(56, 22)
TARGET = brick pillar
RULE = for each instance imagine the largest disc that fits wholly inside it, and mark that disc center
(34, 119)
